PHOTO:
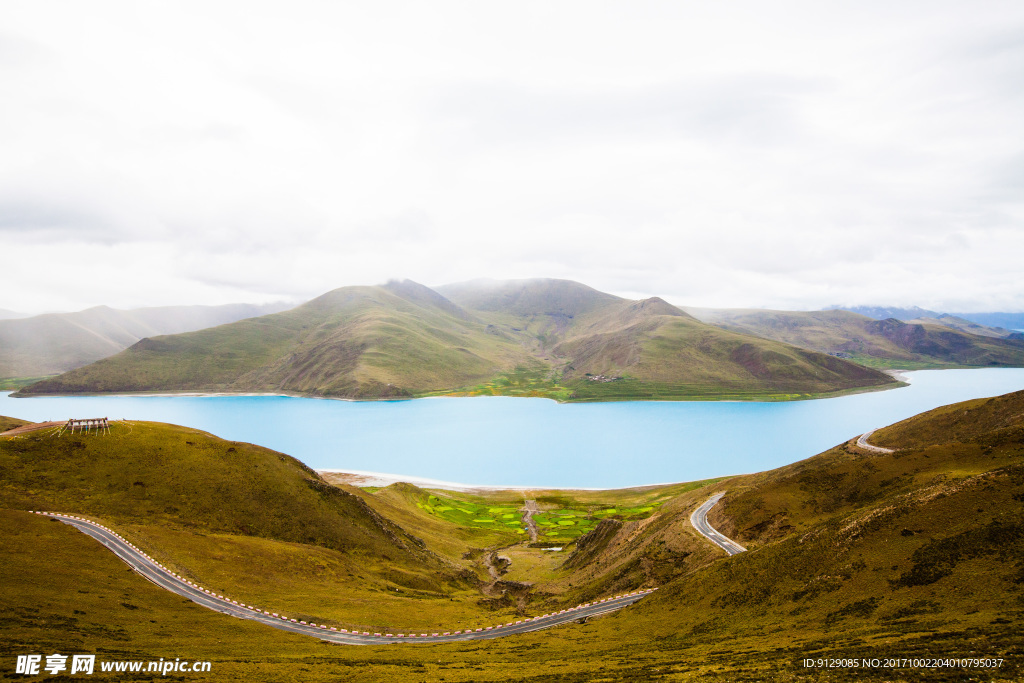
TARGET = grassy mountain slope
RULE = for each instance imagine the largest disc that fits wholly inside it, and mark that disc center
(149, 471)
(604, 347)
(965, 325)
(925, 542)
(1006, 321)
(888, 342)
(395, 340)
(538, 313)
(999, 418)
(915, 554)
(530, 337)
(64, 592)
(58, 342)
(657, 345)
(10, 423)
(210, 507)
(529, 298)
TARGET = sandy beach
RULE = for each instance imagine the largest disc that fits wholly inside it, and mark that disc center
(362, 478)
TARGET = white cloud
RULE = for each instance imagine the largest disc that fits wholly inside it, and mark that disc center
(786, 154)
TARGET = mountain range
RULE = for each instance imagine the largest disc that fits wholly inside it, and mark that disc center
(1004, 321)
(542, 337)
(57, 342)
(402, 339)
(924, 343)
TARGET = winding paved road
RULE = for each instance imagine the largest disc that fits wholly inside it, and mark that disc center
(863, 443)
(699, 520)
(168, 580)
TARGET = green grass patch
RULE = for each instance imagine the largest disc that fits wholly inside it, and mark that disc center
(467, 513)
(15, 383)
(630, 389)
(570, 521)
(534, 381)
(7, 423)
(899, 364)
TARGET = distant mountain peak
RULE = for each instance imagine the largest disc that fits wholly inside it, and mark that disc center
(883, 312)
(984, 324)
(421, 294)
(533, 297)
(403, 339)
(655, 305)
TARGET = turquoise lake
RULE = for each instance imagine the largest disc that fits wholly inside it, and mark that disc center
(537, 442)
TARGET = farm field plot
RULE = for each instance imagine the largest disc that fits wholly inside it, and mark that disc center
(558, 524)
(473, 514)
(571, 523)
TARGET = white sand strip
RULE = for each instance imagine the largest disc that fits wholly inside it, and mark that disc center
(364, 478)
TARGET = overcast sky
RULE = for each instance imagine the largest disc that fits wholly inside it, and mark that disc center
(766, 154)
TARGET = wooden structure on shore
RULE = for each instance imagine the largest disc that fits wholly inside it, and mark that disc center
(100, 424)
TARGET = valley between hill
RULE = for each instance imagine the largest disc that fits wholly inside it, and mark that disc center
(851, 553)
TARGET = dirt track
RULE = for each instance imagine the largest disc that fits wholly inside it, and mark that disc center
(33, 427)
(530, 507)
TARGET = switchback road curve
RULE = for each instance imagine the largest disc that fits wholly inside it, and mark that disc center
(699, 520)
(168, 580)
(862, 441)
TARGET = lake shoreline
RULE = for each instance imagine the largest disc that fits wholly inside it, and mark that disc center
(899, 381)
(536, 445)
(365, 479)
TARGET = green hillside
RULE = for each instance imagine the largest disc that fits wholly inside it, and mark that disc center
(149, 471)
(919, 552)
(57, 342)
(965, 325)
(652, 348)
(914, 554)
(553, 338)
(400, 339)
(10, 423)
(530, 299)
(607, 348)
(209, 507)
(879, 343)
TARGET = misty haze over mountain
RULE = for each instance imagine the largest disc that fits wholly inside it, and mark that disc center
(722, 155)
(1009, 321)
